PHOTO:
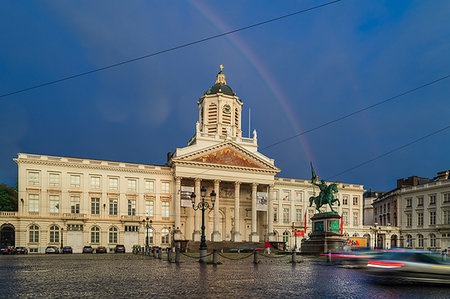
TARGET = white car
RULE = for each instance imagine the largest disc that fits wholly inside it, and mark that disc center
(51, 249)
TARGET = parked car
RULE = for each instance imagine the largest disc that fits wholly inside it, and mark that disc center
(67, 249)
(5, 250)
(51, 249)
(20, 250)
(101, 249)
(119, 249)
(88, 249)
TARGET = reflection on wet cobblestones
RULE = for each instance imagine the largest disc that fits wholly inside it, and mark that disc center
(121, 275)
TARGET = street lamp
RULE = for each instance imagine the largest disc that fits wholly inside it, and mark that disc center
(375, 229)
(62, 238)
(146, 221)
(203, 206)
(294, 231)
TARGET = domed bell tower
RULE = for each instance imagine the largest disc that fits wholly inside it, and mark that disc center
(220, 110)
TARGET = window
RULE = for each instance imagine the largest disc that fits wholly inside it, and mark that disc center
(131, 207)
(344, 199)
(432, 217)
(131, 228)
(286, 195)
(113, 202)
(113, 184)
(113, 235)
(95, 206)
(446, 217)
(33, 178)
(165, 209)
(54, 234)
(432, 240)
(275, 214)
(33, 203)
(75, 204)
(53, 179)
(95, 234)
(149, 208)
(75, 181)
(54, 204)
(298, 196)
(75, 227)
(165, 187)
(433, 199)
(34, 234)
(446, 197)
(409, 202)
(408, 220)
(149, 186)
(285, 214)
(355, 200)
(149, 236)
(420, 201)
(165, 236)
(298, 215)
(95, 182)
(132, 185)
(355, 218)
(286, 237)
(420, 219)
(345, 218)
(409, 241)
(420, 240)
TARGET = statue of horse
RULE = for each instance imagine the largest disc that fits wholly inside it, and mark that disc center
(325, 197)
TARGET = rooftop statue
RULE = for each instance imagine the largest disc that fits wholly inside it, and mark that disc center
(326, 193)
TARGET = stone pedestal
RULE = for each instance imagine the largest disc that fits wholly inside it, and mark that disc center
(196, 236)
(254, 237)
(236, 237)
(325, 235)
(216, 237)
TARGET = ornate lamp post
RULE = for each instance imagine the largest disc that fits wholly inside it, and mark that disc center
(62, 239)
(203, 206)
(146, 221)
(294, 231)
(375, 229)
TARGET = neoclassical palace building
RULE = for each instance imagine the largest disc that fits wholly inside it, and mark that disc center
(81, 201)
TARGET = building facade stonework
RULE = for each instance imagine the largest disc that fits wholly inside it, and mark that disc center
(78, 202)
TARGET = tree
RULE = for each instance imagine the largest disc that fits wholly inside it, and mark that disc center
(8, 198)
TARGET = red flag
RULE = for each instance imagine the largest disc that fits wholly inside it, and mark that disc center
(306, 220)
(342, 224)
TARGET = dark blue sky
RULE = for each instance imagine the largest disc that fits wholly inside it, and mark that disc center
(294, 74)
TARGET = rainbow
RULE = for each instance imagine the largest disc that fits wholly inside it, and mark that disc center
(261, 70)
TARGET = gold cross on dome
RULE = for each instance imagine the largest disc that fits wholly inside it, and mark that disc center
(221, 67)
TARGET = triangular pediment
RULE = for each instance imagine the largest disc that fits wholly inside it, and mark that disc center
(227, 154)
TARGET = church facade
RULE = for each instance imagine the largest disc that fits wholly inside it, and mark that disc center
(78, 202)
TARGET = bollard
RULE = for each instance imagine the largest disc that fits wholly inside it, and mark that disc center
(329, 257)
(169, 255)
(160, 253)
(294, 260)
(177, 255)
(214, 257)
(255, 257)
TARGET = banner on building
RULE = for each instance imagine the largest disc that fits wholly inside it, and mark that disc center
(261, 201)
(356, 241)
(186, 192)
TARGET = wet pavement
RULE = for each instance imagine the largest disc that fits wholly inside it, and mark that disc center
(127, 275)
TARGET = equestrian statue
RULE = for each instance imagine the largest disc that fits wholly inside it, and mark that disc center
(326, 193)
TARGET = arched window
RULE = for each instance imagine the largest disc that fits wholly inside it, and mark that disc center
(165, 236)
(286, 237)
(150, 236)
(54, 234)
(432, 240)
(355, 235)
(420, 240)
(112, 235)
(409, 241)
(95, 234)
(34, 234)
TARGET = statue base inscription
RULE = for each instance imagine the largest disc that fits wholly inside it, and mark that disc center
(325, 235)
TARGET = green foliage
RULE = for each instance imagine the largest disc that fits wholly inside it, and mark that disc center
(8, 198)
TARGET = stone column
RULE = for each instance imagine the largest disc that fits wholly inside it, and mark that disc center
(177, 191)
(236, 237)
(270, 233)
(197, 214)
(216, 236)
(254, 237)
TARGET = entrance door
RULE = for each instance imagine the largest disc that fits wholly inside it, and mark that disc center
(7, 235)
(130, 239)
(74, 239)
